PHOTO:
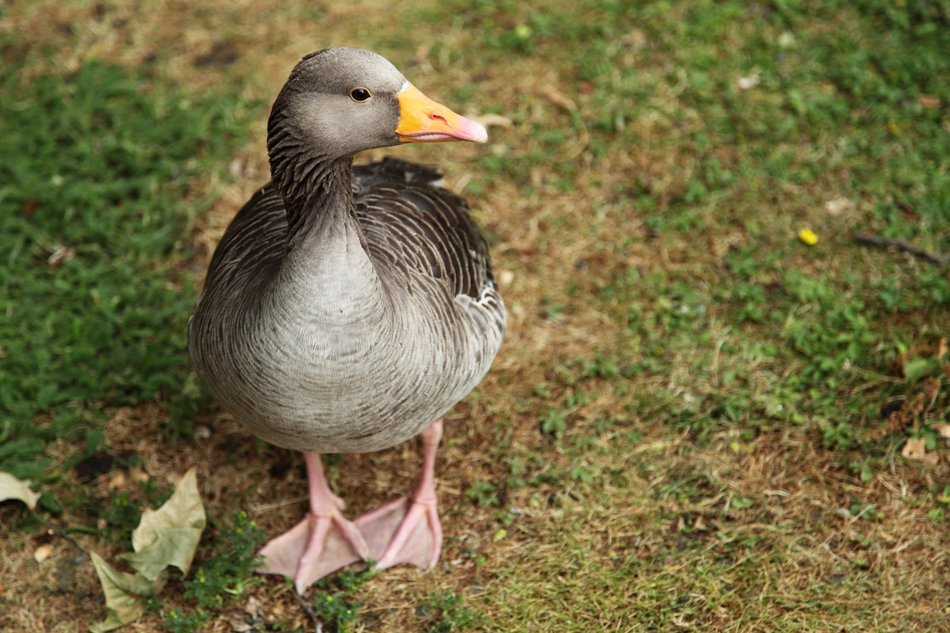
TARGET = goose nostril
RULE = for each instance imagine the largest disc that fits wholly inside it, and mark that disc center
(438, 117)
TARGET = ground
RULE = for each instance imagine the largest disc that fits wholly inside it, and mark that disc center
(698, 420)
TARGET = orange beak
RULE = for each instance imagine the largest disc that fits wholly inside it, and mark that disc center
(422, 120)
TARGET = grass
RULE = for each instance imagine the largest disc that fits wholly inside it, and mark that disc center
(92, 226)
(697, 420)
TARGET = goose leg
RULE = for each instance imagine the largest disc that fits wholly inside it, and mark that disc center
(408, 530)
(320, 544)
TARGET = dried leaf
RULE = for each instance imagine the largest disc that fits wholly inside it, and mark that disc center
(13, 488)
(164, 537)
(840, 205)
(749, 81)
(123, 595)
(238, 624)
(117, 480)
(943, 429)
(169, 536)
(254, 608)
(42, 552)
(916, 450)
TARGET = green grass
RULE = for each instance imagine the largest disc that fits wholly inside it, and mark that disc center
(837, 111)
(446, 613)
(94, 218)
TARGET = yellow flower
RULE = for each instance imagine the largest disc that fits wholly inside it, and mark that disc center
(807, 236)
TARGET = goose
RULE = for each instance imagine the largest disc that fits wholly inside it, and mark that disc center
(347, 308)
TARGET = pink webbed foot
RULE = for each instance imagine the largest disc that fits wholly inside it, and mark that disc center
(403, 531)
(314, 548)
(408, 531)
(321, 543)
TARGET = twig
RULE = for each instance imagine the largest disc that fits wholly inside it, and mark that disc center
(318, 624)
(883, 242)
(62, 534)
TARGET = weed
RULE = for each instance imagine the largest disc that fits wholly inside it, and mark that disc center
(483, 492)
(221, 579)
(333, 603)
(554, 422)
(122, 515)
(446, 613)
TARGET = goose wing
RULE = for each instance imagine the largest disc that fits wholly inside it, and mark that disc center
(253, 245)
(413, 226)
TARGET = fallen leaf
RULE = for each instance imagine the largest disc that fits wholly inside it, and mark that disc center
(169, 536)
(916, 450)
(837, 206)
(749, 81)
(164, 537)
(201, 432)
(253, 608)
(19, 489)
(238, 624)
(116, 480)
(943, 429)
(929, 101)
(42, 552)
(123, 595)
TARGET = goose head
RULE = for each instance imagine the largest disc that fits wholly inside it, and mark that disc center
(340, 101)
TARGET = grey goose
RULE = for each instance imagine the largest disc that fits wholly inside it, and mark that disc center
(347, 309)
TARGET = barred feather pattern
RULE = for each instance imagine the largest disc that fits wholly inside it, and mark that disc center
(356, 333)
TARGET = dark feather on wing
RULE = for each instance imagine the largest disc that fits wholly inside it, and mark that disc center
(410, 225)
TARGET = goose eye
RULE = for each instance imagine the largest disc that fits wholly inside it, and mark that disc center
(360, 94)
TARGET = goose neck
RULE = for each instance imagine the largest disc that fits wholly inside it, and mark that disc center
(317, 196)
